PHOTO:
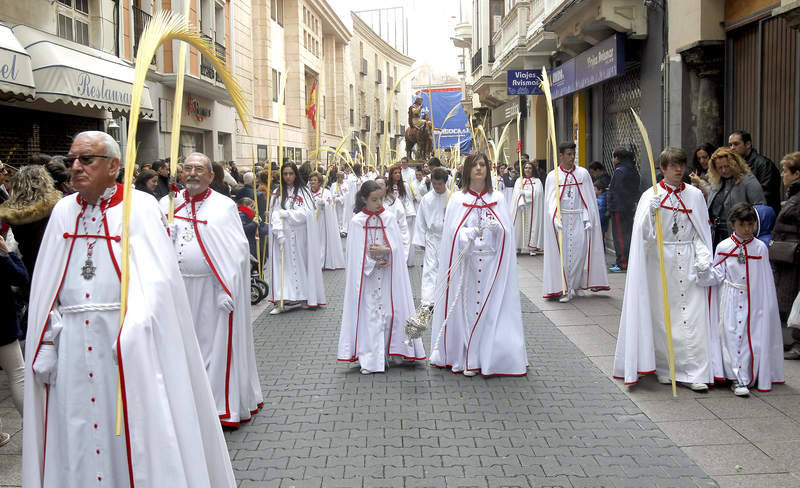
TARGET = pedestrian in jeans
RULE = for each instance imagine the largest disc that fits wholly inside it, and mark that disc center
(623, 195)
(12, 273)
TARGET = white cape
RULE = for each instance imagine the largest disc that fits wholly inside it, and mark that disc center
(593, 276)
(481, 303)
(232, 369)
(174, 436)
(361, 338)
(328, 230)
(528, 208)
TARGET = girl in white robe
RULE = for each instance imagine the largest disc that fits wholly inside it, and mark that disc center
(295, 267)
(744, 308)
(406, 196)
(477, 325)
(377, 296)
(330, 245)
(340, 190)
(528, 206)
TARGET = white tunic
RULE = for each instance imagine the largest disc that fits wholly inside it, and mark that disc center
(528, 207)
(744, 310)
(583, 254)
(377, 300)
(328, 230)
(395, 205)
(428, 234)
(642, 341)
(477, 326)
(340, 191)
(295, 270)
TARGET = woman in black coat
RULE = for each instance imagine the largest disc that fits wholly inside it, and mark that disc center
(12, 273)
(787, 229)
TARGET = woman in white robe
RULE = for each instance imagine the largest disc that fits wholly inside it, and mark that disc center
(377, 297)
(477, 325)
(395, 205)
(330, 244)
(295, 267)
(528, 206)
(339, 190)
(405, 195)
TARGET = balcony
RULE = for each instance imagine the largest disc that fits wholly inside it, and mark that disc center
(476, 60)
(220, 50)
(140, 21)
(206, 68)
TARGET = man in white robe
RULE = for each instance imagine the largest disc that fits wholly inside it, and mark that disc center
(79, 358)
(407, 171)
(428, 232)
(584, 260)
(642, 339)
(330, 245)
(527, 203)
(214, 260)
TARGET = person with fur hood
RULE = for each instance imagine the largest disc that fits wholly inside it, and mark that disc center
(32, 197)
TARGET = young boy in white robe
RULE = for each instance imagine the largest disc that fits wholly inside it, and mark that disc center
(428, 232)
(744, 307)
(377, 295)
(528, 206)
(339, 189)
(330, 243)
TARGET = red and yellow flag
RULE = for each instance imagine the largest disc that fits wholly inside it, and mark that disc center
(311, 106)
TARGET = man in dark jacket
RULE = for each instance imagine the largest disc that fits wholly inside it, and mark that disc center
(623, 195)
(162, 187)
(764, 170)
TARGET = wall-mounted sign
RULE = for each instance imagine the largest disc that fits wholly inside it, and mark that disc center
(524, 82)
(194, 108)
(603, 61)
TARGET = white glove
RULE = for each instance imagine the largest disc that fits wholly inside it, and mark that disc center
(701, 266)
(587, 225)
(321, 203)
(655, 203)
(44, 366)
(225, 302)
(282, 214)
(173, 231)
(281, 239)
(493, 225)
(471, 233)
(557, 222)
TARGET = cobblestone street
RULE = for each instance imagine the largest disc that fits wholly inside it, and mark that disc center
(564, 425)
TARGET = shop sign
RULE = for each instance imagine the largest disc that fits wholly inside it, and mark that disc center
(524, 82)
(194, 108)
(602, 62)
(505, 112)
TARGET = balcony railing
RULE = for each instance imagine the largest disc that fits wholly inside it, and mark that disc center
(476, 60)
(140, 21)
(206, 68)
(220, 50)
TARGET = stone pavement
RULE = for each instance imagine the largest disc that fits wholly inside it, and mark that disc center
(759, 434)
(565, 424)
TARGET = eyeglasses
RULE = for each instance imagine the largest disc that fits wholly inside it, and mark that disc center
(85, 159)
(199, 169)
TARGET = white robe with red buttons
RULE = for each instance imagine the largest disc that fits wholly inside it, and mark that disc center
(215, 261)
(483, 329)
(170, 432)
(584, 259)
(295, 270)
(377, 301)
(642, 340)
(744, 310)
(528, 206)
(330, 244)
(339, 192)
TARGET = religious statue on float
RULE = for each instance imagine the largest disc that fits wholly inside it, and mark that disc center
(419, 131)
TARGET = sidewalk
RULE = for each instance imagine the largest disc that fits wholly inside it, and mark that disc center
(740, 442)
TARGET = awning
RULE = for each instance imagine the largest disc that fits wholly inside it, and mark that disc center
(68, 72)
(16, 78)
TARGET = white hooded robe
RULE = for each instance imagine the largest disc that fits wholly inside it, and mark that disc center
(528, 206)
(328, 230)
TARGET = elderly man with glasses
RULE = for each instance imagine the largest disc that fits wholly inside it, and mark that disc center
(95, 384)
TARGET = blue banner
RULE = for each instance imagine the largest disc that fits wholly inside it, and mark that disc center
(456, 128)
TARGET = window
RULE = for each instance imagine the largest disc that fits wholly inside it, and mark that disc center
(73, 20)
(276, 85)
(324, 107)
(276, 12)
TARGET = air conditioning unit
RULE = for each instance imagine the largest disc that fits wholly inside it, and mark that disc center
(365, 125)
(390, 83)
(379, 77)
(363, 67)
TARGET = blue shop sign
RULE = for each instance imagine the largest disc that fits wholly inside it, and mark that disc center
(524, 82)
(602, 62)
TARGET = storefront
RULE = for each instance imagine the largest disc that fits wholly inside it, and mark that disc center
(52, 88)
